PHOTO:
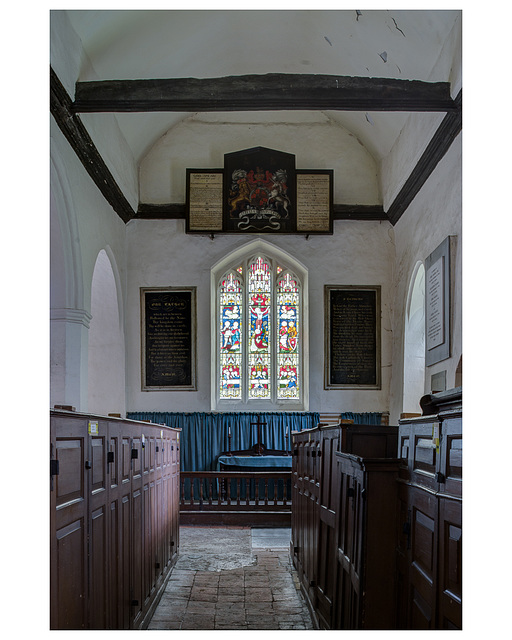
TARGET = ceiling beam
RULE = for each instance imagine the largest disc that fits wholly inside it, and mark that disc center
(81, 142)
(178, 211)
(61, 107)
(270, 92)
(441, 141)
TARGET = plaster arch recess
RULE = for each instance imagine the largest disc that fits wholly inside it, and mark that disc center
(200, 143)
(106, 357)
(414, 342)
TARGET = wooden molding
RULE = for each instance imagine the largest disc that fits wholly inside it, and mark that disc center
(270, 92)
(81, 142)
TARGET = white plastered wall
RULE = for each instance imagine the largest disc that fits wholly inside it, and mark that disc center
(434, 214)
(84, 225)
(160, 254)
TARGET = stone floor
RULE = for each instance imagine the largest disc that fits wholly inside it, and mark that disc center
(232, 578)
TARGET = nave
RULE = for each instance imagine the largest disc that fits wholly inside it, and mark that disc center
(232, 578)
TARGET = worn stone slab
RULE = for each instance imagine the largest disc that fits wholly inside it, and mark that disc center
(205, 591)
(197, 623)
(164, 625)
(204, 608)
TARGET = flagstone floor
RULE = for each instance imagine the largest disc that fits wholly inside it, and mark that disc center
(232, 578)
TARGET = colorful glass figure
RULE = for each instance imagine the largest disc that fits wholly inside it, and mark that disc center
(230, 339)
(288, 331)
(260, 290)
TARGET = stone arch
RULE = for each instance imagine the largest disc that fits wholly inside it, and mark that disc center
(106, 352)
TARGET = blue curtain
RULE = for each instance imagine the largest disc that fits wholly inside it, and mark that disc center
(362, 418)
(204, 436)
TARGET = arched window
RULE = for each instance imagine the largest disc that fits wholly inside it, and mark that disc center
(260, 343)
(414, 343)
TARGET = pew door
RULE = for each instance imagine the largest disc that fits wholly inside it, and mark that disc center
(69, 503)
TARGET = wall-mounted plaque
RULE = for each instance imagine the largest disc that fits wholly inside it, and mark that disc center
(204, 200)
(352, 337)
(259, 191)
(168, 328)
(314, 201)
(437, 304)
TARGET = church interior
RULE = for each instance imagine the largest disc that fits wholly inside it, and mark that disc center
(256, 313)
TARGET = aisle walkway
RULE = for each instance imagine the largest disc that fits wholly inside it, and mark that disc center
(228, 578)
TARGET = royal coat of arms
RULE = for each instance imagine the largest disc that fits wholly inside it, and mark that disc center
(259, 190)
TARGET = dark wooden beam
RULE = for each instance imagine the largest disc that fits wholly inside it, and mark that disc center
(358, 212)
(270, 92)
(64, 112)
(177, 211)
(79, 139)
(173, 211)
(441, 141)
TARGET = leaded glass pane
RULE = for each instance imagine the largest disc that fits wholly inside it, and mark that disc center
(259, 282)
(230, 339)
(287, 318)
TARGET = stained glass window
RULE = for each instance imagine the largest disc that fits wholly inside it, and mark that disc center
(259, 333)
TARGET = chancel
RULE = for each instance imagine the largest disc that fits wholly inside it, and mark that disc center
(256, 276)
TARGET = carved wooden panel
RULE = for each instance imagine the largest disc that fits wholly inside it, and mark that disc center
(109, 518)
(450, 564)
(137, 556)
(451, 459)
(69, 577)
(99, 551)
(423, 569)
(329, 444)
(68, 519)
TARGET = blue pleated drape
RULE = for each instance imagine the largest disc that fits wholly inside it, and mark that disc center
(204, 436)
(362, 418)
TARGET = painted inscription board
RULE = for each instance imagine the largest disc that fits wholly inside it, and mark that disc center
(437, 302)
(352, 337)
(168, 324)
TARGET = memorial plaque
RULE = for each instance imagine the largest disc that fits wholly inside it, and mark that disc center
(352, 337)
(437, 303)
(314, 201)
(204, 200)
(168, 318)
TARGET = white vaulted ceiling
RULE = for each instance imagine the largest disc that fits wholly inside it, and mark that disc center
(129, 45)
